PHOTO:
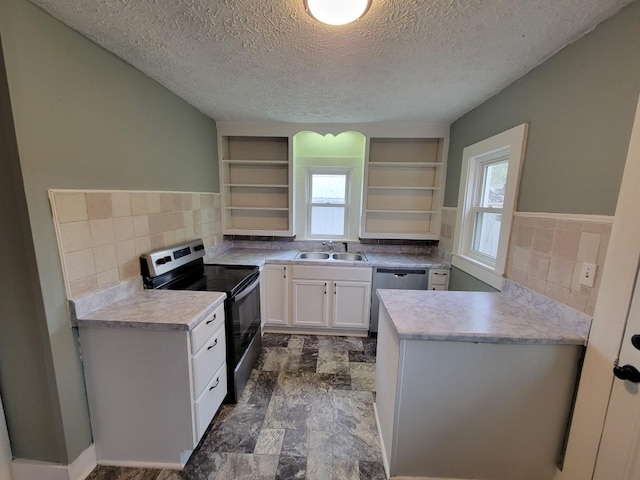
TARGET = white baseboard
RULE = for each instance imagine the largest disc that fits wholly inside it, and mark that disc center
(384, 452)
(33, 470)
(150, 465)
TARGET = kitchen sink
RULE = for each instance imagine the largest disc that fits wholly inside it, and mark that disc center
(350, 257)
(314, 255)
(345, 257)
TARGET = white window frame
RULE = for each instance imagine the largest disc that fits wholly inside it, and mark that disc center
(314, 170)
(509, 144)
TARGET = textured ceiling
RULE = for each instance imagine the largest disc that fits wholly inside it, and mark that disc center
(263, 60)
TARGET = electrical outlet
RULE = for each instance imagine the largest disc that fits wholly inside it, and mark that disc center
(588, 274)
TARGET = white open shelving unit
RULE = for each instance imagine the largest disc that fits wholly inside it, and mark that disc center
(256, 179)
(404, 180)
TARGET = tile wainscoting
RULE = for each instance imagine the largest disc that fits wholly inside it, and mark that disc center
(102, 233)
(546, 252)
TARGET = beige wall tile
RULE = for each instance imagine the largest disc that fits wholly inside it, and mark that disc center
(187, 201)
(217, 200)
(108, 278)
(102, 231)
(524, 237)
(543, 240)
(157, 241)
(591, 305)
(167, 202)
(578, 301)
(126, 252)
(521, 258)
(547, 223)
(83, 286)
(536, 284)
(561, 271)
(142, 245)
(596, 227)
(121, 204)
(99, 205)
(561, 294)
(539, 265)
(139, 204)
(79, 264)
(179, 235)
(189, 232)
(105, 258)
(123, 228)
(129, 270)
(588, 247)
(195, 201)
(169, 238)
(153, 202)
(75, 236)
(187, 218)
(140, 226)
(156, 223)
(518, 276)
(566, 244)
(70, 207)
(571, 225)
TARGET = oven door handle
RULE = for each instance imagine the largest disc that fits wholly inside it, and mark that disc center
(246, 291)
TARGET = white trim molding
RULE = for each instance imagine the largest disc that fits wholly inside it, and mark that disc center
(512, 143)
(580, 217)
(449, 209)
(79, 469)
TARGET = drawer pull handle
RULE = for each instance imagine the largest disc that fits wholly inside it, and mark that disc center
(214, 344)
(217, 383)
(213, 319)
(437, 273)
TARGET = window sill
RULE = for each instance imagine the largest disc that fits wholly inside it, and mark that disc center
(478, 270)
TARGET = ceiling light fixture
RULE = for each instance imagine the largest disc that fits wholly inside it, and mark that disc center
(337, 12)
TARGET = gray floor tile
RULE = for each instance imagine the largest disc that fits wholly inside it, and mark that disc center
(291, 468)
(320, 459)
(295, 443)
(269, 441)
(243, 466)
(371, 471)
(345, 469)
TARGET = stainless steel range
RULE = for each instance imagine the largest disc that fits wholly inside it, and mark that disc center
(181, 267)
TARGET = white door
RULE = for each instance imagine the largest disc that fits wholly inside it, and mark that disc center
(310, 302)
(275, 294)
(619, 454)
(351, 305)
(5, 448)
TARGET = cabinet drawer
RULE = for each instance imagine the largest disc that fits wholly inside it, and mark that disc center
(208, 403)
(206, 328)
(353, 274)
(438, 277)
(207, 361)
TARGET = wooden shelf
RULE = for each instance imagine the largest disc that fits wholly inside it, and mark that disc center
(403, 188)
(256, 174)
(386, 187)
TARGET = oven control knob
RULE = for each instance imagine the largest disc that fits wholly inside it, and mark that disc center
(161, 261)
(167, 259)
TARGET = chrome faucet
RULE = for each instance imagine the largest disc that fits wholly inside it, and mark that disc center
(330, 243)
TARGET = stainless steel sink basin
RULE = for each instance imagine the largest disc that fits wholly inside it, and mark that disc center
(350, 257)
(314, 255)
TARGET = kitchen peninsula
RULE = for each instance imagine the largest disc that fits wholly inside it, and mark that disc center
(473, 385)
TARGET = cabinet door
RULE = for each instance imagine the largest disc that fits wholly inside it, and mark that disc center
(351, 303)
(310, 302)
(275, 295)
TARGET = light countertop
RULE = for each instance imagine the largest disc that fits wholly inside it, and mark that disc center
(474, 317)
(156, 310)
(255, 256)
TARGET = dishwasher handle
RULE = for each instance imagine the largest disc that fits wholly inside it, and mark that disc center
(402, 272)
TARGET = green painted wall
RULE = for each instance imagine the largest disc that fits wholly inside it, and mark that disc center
(580, 106)
(460, 281)
(83, 119)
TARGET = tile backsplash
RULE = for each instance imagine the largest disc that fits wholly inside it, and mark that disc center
(546, 255)
(101, 234)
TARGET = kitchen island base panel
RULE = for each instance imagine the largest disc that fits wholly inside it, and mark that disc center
(473, 410)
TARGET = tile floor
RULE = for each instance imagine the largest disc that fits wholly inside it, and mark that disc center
(306, 413)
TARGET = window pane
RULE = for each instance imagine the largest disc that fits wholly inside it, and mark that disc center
(487, 233)
(327, 221)
(494, 178)
(327, 188)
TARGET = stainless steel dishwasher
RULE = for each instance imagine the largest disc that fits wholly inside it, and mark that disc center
(398, 279)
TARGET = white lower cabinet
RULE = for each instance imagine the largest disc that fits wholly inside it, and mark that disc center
(152, 393)
(331, 297)
(275, 295)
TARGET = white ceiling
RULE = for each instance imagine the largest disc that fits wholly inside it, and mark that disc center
(264, 60)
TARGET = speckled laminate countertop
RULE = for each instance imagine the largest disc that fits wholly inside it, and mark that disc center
(474, 317)
(251, 256)
(156, 310)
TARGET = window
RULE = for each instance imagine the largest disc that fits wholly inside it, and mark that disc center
(486, 202)
(328, 202)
